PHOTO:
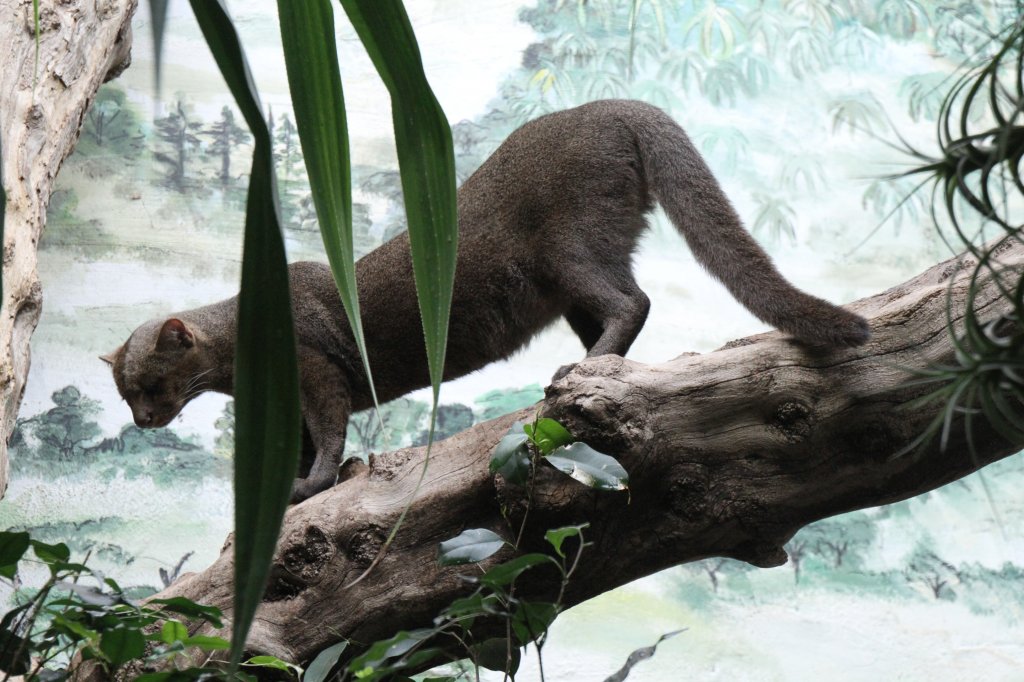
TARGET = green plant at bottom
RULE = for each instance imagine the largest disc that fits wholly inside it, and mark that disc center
(78, 616)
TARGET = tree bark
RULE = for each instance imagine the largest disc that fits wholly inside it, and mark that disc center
(82, 43)
(729, 454)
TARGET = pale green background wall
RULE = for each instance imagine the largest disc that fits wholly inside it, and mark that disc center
(792, 102)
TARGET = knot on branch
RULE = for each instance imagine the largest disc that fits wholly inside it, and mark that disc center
(304, 555)
(364, 545)
(688, 492)
(384, 466)
(793, 419)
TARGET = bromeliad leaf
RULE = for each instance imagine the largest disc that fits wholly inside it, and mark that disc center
(511, 457)
(547, 434)
(590, 467)
(469, 546)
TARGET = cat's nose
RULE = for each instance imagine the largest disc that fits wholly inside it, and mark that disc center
(144, 419)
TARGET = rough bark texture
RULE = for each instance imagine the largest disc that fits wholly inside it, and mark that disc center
(729, 454)
(82, 43)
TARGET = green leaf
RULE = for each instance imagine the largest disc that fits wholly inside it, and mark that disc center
(495, 654)
(158, 22)
(172, 632)
(506, 573)
(14, 653)
(426, 161)
(318, 101)
(530, 620)
(547, 434)
(206, 642)
(469, 546)
(324, 662)
(12, 545)
(122, 645)
(51, 554)
(382, 650)
(557, 536)
(274, 663)
(466, 609)
(88, 594)
(590, 467)
(74, 630)
(268, 422)
(511, 458)
(187, 607)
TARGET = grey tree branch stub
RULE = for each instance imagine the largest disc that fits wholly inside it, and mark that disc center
(81, 45)
(729, 454)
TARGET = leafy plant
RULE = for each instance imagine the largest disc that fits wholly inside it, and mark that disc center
(78, 616)
(494, 597)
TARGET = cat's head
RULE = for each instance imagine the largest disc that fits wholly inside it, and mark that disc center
(158, 370)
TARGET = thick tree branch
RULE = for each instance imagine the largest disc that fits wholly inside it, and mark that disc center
(82, 43)
(729, 454)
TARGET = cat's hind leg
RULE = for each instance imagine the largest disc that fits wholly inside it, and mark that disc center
(607, 310)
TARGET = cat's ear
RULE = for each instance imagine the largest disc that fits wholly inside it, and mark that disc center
(174, 335)
(111, 356)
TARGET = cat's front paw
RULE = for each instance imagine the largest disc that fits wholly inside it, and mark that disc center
(305, 488)
(563, 371)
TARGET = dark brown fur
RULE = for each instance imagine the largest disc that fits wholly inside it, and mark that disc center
(547, 228)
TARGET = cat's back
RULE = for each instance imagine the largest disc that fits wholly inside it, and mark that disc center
(559, 165)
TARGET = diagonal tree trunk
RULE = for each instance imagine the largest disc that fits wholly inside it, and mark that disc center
(729, 454)
(82, 43)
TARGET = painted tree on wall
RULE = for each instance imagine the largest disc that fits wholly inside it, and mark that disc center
(64, 430)
(112, 123)
(179, 132)
(226, 135)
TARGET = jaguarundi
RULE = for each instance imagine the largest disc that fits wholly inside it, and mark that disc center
(547, 228)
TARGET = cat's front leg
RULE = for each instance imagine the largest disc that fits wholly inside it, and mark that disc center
(326, 406)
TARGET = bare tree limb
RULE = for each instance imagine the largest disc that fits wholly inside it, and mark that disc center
(729, 454)
(82, 43)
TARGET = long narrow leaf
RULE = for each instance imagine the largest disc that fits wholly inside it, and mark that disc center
(157, 25)
(268, 421)
(426, 161)
(319, 104)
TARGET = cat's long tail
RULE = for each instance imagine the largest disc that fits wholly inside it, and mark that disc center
(684, 186)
